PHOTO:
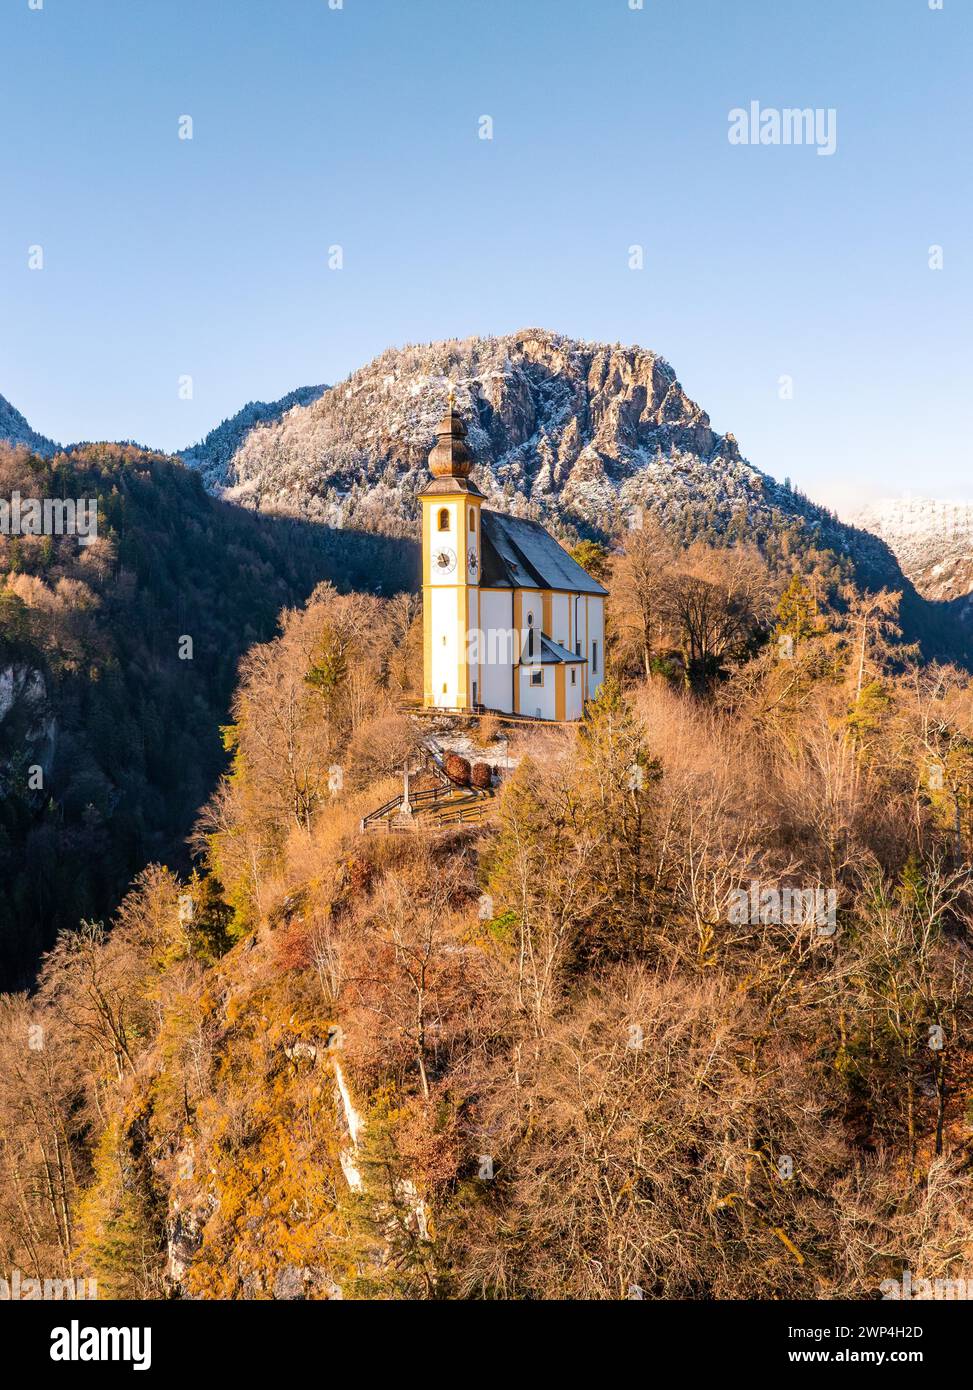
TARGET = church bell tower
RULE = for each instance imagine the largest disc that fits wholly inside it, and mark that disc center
(451, 571)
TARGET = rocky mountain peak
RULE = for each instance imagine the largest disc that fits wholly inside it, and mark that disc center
(559, 429)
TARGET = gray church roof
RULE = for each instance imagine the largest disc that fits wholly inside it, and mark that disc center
(553, 653)
(520, 554)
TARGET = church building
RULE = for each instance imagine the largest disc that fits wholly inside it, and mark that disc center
(510, 622)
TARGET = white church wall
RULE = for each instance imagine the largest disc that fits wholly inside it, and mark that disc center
(595, 643)
(535, 700)
(561, 620)
(496, 626)
(446, 653)
(572, 693)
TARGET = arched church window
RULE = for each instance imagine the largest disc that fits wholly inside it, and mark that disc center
(472, 522)
(444, 519)
(530, 634)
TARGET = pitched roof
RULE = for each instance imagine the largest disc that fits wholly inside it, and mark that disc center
(553, 652)
(520, 554)
(437, 486)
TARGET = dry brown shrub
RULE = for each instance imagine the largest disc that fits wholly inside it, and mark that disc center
(458, 770)
(361, 871)
(427, 1138)
(480, 775)
(293, 946)
(379, 748)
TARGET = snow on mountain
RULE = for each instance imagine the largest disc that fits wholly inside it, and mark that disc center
(579, 435)
(554, 425)
(14, 429)
(212, 454)
(933, 541)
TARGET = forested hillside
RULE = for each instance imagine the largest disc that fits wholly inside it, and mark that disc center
(117, 663)
(548, 1056)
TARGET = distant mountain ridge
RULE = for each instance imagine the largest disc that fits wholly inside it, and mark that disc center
(559, 429)
(932, 540)
(15, 429)
(210, 455)
(581, 436)
(578, 435)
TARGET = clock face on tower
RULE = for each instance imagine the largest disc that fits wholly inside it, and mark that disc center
(472, 562)
(445, 560)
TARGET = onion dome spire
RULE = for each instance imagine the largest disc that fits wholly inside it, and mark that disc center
(450, 457)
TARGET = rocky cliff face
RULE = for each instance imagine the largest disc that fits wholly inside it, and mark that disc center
(28, 730)
(557, 427)
(933, 542)
(578, 435)
(582, 436)
(15, 429)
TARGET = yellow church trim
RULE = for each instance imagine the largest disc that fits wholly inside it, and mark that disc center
(518, 638)
(427, 696)
(427, 692)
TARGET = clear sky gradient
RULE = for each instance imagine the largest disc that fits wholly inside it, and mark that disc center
(358, 126)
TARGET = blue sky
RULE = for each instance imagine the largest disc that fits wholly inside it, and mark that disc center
(358, 126)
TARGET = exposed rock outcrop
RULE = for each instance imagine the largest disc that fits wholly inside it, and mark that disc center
(556, 427)
(582, 436)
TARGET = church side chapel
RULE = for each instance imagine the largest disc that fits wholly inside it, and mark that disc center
(510, 622)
